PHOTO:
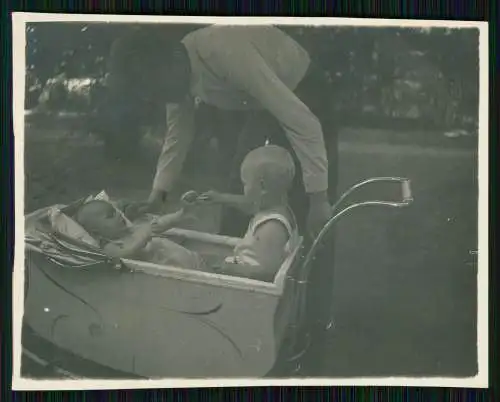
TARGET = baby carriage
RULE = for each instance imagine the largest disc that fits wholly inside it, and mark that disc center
(87, 315)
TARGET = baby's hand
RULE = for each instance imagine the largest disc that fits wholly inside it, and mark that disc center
(158, 225)
(155, 225)
(210, 197)
(165, 222)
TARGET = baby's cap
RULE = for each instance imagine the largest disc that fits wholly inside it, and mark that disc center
(271, 163)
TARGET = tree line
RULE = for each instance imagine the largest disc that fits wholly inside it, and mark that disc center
(422, 74)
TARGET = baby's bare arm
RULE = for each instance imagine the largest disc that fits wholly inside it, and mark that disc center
(165, 222)
(236, 201)
(139, 237)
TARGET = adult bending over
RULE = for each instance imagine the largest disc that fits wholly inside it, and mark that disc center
(265, 78)
(256, 69)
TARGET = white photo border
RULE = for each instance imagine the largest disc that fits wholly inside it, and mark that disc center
(19, 20)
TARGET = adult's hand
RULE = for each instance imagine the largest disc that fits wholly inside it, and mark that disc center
(320, 211)
(155, 202)
(133, 210)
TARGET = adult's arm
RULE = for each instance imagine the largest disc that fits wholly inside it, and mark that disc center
(247, 70)
(178, 138)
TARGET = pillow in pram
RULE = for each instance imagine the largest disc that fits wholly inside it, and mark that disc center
(67, 226)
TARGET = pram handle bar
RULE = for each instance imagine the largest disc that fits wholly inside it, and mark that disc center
(305, 267)
(407, 199)
(405, 190)
(407, 194)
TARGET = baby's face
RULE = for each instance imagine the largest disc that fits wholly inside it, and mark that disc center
(103, 219)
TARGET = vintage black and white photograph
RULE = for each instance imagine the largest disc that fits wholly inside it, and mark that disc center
(277, 201)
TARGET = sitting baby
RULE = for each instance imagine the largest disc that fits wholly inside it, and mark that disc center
(267, 174)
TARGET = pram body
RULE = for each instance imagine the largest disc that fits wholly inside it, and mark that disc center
(146, 320)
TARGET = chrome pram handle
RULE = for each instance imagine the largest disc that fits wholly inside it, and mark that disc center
(305, 267)
(406, 200)
(406, 193)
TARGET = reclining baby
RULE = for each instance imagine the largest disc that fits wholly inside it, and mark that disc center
(266, 173)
